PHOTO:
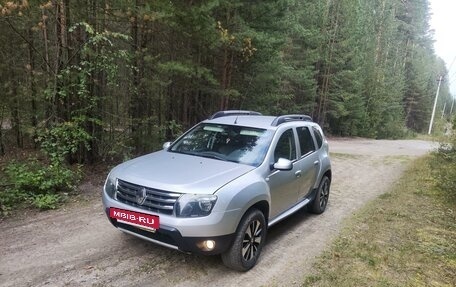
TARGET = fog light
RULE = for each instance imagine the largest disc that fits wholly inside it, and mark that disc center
(209, 245)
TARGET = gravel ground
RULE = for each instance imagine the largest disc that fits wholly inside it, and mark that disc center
(76, 245)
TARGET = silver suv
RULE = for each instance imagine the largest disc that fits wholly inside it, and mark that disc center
(218, 187)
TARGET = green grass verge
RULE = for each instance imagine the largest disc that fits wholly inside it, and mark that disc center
(345, 155)
(406, 237)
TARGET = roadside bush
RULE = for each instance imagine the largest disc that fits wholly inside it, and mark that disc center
(38, 184)
(444, 167)
(46, 201)
(63, 139)
(41, 182)
(11, 197)
(37, 178)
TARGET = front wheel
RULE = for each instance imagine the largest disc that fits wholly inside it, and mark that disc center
(250, 237)
(318, 205)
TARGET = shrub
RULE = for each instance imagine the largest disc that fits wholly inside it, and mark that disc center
(34, 177)
(10, 198)
(444, 166)
(40, 182)
(46, 201)
(63, 139)
(37, 183)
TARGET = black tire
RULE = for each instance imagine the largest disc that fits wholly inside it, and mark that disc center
(318, 205)
(248, 242)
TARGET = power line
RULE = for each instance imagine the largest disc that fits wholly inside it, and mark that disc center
(451, 65)
(453, 74)
(452, 78)
(452, 81)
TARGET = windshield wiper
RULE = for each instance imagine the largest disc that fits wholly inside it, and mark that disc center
(210, 154)
(206, 154)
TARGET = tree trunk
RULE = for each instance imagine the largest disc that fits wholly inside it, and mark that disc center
(96, 89)
(378, 48)
(2, 146)
(32, 85)
(325, 83)
(137, 101)
(49, 104)
(15, 113)
(59, 112)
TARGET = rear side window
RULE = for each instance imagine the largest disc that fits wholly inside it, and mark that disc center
(318, 137)
(305, 140)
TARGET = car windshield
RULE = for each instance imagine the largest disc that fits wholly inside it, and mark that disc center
(244, 145)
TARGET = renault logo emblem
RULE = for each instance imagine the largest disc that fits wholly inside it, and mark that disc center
(141, 196)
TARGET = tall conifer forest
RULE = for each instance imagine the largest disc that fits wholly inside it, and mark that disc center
(93, 80)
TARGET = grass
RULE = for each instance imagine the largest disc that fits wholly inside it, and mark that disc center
(406, 237)
(345, 155)
(396, 158)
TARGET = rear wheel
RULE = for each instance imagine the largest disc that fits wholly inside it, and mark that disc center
(250, 237)
(318, 205)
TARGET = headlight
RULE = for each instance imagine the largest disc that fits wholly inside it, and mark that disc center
(110, 186)
(195, 205)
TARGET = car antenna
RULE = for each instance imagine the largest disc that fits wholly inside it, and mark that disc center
(235, 121)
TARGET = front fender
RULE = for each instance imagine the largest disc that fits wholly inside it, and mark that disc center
(238, 197)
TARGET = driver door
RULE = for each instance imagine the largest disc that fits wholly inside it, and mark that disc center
(284, 185)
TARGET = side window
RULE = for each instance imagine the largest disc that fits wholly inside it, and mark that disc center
(306, 142)
(318, 137)
(286, 147)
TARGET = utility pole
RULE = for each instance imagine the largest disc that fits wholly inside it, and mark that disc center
(435, 105)
(452, 104)
(443, 111)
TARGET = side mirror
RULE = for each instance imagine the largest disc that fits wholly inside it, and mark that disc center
(283, 164)
(166, 145)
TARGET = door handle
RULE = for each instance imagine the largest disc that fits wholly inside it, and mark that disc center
(316, 162)
(298, 173)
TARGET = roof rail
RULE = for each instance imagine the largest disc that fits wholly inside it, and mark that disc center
(234, 113)
(290, 118)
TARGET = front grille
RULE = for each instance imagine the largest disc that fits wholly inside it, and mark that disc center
(158, 201)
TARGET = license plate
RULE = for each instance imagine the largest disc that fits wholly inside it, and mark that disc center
(141, 220)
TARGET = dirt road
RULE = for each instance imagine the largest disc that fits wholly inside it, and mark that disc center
(76, 246)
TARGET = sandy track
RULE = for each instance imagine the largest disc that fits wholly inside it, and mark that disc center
(77, 246)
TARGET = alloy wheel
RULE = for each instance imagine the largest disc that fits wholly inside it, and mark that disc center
(324, 194)
(252, 240)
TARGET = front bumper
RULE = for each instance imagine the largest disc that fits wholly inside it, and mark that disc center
(171, 238)
(183, 234)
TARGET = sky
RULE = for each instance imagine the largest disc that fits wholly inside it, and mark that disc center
(443, 21)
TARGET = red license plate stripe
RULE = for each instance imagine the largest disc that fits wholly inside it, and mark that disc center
(141, 219)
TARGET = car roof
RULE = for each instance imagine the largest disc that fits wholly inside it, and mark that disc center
(263, 122)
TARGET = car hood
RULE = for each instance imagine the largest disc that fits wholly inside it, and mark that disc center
(179, 172)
